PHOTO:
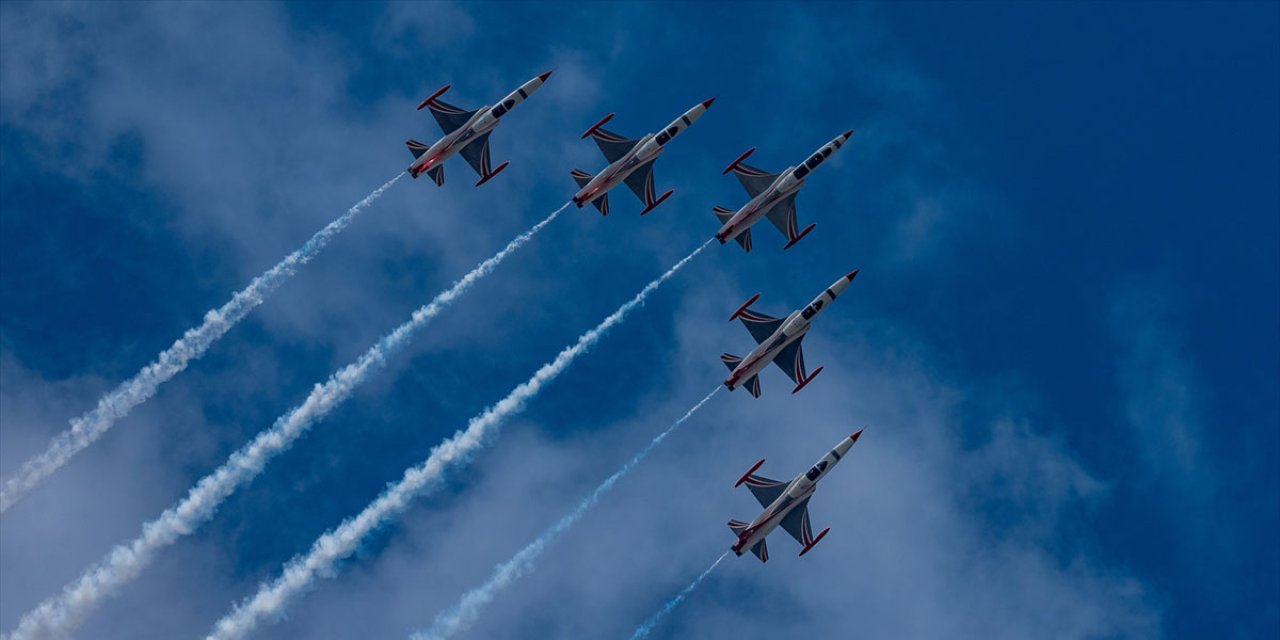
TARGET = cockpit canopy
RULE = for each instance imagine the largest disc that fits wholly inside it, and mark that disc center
(812, 474)
(503, 108)
(812, 310)
(667, 135)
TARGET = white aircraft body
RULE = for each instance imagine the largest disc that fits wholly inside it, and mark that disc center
(778, 341)
(772, 195)
(630, 161)
(785, 505)
(465, 132)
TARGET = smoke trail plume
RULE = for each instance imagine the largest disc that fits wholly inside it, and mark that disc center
(60, 615)
(644, 629)
(467, 610)
(301, 572)
(86, 429)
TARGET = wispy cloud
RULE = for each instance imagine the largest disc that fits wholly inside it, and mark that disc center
(64, 613)
(464, 613)
(300, 573)
(86, 429)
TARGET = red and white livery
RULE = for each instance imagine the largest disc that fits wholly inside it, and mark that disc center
(630, 161)
(465, 132)
(773, 195)
(785, 505)
(778, 341)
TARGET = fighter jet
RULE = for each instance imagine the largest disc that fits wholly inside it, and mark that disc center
(465, 132)
(779, 341)
(630, 161)
(785, 504)
(772, 195)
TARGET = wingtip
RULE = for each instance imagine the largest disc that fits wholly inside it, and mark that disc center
(706, 104)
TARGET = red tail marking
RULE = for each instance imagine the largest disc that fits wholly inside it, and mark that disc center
(811, 545)
(597, 125)
(749, 472)
(434, 96)
(807, 380)
(740, 159)
(802, 234)
(743, 307)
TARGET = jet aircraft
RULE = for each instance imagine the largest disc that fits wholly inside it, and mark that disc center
(785, 505)
(465, 132)
(772, 195)
(630, 161)
(779, 341)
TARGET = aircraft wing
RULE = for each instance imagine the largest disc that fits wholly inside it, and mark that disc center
(797, 523)
(765, 490)
(783, 216)
(613, 145)
(641, 182)
(449, 117)
(760, 325)
(477, 155)
(754, 180)
(791, 361)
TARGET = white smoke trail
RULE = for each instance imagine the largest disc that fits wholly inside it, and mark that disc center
(60, 615)
(86, 429)
(300, 573)
(467, 610)
(644, 629)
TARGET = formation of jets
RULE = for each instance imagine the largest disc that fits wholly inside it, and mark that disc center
(772, 196)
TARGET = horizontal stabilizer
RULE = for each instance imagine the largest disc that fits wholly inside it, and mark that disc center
(753, 385)
(737, 527)
(437, 174)
(416, 148)
(722, 214)
(730, 360)
(580, 177)
(602, 203)
(761, 550)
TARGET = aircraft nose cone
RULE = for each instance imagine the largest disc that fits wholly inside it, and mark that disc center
(847, 134)
(854, 437)
(546, 75)
(706, 104)
(851, 275)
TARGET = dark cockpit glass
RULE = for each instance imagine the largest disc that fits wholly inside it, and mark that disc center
(801, 172)
(812, 310)
(663, 138)
(826, 152)
(813, 474)
(499, 111)
(509, 103)
(814, 161)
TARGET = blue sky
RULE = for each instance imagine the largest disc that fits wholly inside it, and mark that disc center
(1064, 344)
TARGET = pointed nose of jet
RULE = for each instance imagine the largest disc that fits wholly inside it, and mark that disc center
(546, 75)
(840, 285)
(706, 104)
(847, 444)
(847, 134)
